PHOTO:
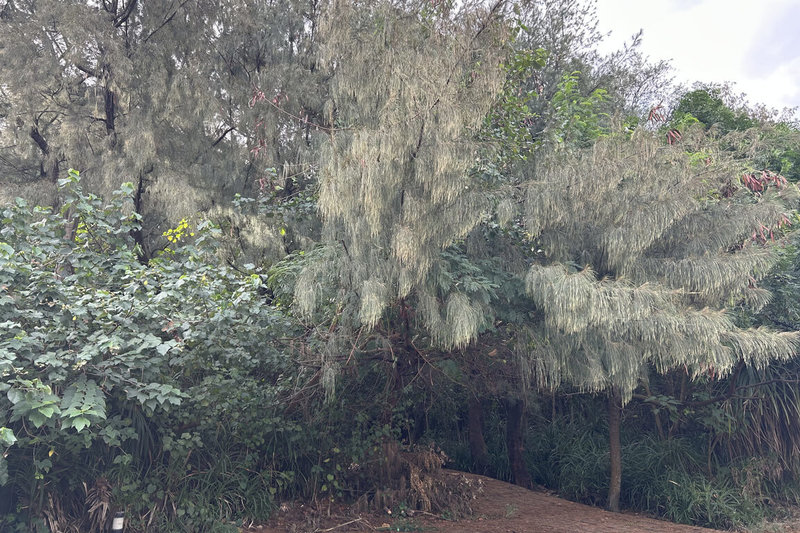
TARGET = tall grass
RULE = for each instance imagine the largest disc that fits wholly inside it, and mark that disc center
(665, 478)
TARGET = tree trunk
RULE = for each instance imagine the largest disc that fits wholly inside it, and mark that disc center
(515, 435)
(614, 449)
(656, 415)
(138, 234)
(477, 445)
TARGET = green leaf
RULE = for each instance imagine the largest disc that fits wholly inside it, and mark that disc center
(162, 349)
(7, 437)
(15, 396)
(47, 411)
(37, 419)
(80, 423)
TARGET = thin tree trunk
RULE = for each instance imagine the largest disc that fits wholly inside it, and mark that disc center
(515, 435)
(477, 444)
(615, 450)
(656, 415)
(138, 234)
(64, 268)
(682, 396)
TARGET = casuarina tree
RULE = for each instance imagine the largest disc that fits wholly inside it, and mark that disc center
(642, 249)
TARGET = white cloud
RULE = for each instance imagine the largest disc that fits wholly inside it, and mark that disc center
(755, 45)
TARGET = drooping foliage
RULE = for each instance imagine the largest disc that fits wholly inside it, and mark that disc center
(395, 186)
(641, 253)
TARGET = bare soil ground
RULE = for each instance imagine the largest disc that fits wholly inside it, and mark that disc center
(500, 508)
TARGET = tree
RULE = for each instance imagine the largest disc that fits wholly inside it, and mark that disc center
(641, 251)
(706, 105)
(768, 138)
(156, 94)
(624, 83)
(405, 177)
(395, 186)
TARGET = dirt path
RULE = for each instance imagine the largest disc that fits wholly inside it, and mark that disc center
(502, 508)
(508, 508)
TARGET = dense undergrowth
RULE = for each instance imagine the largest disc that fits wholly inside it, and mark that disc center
(177, 392)
(182, 392)
(675, 478)
(173, 390)
(152, 388)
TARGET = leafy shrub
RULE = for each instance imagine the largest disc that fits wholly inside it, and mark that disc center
(154, 388)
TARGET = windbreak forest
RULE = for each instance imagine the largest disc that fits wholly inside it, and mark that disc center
(254, 252)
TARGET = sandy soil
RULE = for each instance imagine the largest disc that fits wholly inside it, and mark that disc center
(501, 508)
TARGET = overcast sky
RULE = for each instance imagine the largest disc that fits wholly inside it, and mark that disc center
(753, 43)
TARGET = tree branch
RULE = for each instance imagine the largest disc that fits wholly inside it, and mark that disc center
(86, 69)
(166, 21)
(40, 141)
(126, 13)
(224, 134)
(729, 394)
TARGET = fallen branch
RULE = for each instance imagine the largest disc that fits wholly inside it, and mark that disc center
(359, 519)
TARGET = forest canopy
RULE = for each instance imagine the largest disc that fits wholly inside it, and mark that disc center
(256, 251)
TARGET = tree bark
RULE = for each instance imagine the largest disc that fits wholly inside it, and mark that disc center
(614, 449)
(138, 233)
(477, 444)
(656, 415)
(515, 435)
